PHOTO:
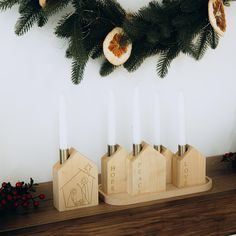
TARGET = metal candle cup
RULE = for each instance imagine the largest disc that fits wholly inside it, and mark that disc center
(137, 149)
(111, 149)
(64, 155)
(158, 147)
(182, 149)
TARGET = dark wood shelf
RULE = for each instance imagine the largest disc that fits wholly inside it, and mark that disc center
(209, 213)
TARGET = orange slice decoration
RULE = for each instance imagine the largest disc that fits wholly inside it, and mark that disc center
(115, 46)
(217, 16)
(114, 52)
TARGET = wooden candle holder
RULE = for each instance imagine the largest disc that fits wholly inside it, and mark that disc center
(146, 172)
(113, 168)
(169, 159)
(190, 169)
(75, 183)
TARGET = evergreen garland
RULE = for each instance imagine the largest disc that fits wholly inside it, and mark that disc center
(165, 29)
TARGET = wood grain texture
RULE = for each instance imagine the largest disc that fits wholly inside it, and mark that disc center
(190, 169)
(146, 172)
(113, 172)
(169, 159)
(210, 213)
(75, 183)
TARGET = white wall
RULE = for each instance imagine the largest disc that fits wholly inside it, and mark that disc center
(34, 71)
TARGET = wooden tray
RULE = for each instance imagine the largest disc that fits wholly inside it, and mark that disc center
(119, 199)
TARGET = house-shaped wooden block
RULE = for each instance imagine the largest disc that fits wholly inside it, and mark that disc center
(75, 183)
(169, 159)
(113, 168)
(190, 169)
(146, 172)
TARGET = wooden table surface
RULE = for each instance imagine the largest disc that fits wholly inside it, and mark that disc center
(210, 213)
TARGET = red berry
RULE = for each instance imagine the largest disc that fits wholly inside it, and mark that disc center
(19, 184)
(23, 198)
(42, 196)
(9, 197)
(25, 204)
(14, 192)
(4, 202)
(4, 184)
(16, 204)
(36, 203)
(3, 195)
(29, 196)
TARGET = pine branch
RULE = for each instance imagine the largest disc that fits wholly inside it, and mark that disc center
(77, 71)
(54, 6)
(8, 4)
(113, 8)
(135, 62)
(107, 68)
(213, 38)
(202, 44)
(165, 60)
(42, 19)
(65, 26)
(139, 54)
(25, 22)
(78, 52)
(24, 5)
(31, 12)
(97, 52)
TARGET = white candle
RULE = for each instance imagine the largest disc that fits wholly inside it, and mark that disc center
(157, 121)
(181, 119)
(111, 120)
(62, 123)
(136, 118)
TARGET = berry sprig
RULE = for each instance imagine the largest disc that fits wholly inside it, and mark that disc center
(20, 195)
(229, 157)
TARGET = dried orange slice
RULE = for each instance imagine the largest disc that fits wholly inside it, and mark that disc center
(43, 3)
(114, 52)
(216, 14)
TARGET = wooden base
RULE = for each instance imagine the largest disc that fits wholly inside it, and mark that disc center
(171, 191)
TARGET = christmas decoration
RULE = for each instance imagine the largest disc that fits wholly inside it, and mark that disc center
(217, 16)
(230, 158)
(20, 195)
(165, 29)
(115, 47)
(42, 3)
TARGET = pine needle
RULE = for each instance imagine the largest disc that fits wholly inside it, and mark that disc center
(106, 68)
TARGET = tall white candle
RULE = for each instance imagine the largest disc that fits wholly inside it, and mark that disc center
(62, 123)
(181, 120)
(136, 118)
(111, 121)
(157, 121)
